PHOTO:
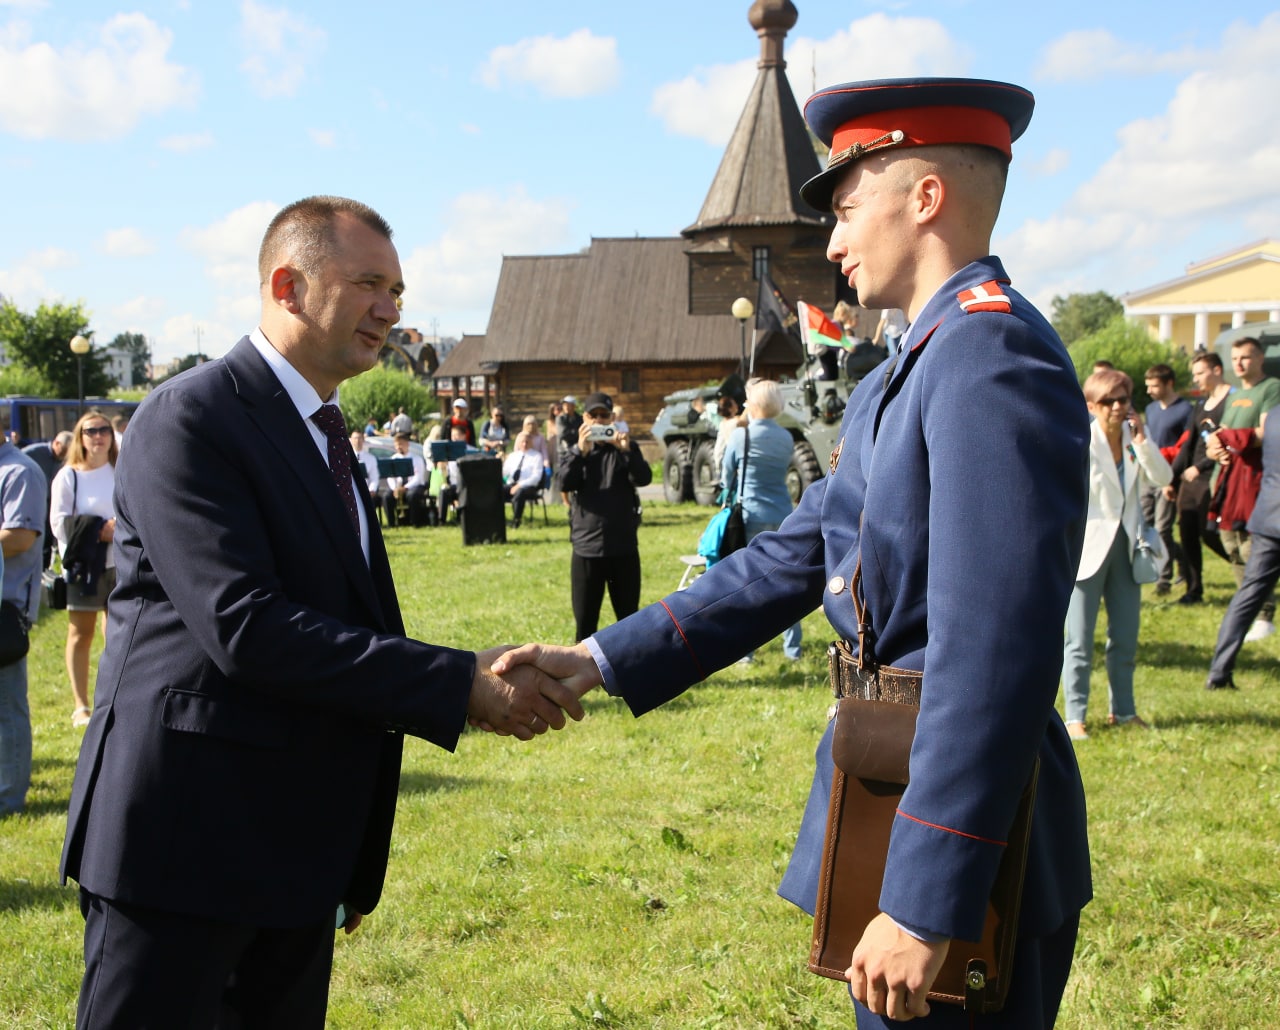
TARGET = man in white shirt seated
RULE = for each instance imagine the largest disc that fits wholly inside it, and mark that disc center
(521, 477)
(367, 461)
(405, 494)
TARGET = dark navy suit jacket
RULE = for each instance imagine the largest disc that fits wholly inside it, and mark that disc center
(243, 758)
(962, 485)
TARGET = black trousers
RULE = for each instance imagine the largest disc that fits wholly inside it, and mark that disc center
(414, 497)
(590, 576)
(1260, 576)
(144, 968)
(1193, 509)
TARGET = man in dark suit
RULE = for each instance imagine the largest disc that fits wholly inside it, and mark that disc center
(236, 787)
(915, 179)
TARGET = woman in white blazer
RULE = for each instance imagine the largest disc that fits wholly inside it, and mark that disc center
(1122, 463)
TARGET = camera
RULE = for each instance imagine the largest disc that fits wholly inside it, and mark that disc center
(597, 432)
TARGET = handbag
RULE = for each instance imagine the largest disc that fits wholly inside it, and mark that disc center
(871, 747)
(1148, 554)
(54, 590)
(14, 629)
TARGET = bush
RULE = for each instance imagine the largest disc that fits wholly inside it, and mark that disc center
(21, 381)
(382, 390)
(1132, 350)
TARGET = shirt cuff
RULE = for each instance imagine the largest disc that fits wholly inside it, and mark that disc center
(919, 933)
(607, 678)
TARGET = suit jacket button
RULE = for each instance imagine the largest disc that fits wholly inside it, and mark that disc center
(836, 584)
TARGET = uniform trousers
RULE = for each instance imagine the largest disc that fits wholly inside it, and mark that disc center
(151, 970)
(590, 576)
(1260, 576)
(1113, 582)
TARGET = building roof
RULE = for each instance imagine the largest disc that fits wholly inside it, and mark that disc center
(771, 153)
(624, 300)
(464, 360)
(1205, 279)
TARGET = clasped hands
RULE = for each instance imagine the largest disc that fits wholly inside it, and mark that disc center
(524, 691)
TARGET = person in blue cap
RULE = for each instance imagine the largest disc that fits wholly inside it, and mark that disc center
(959, 486)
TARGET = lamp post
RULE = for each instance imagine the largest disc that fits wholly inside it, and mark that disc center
(80, 347)
(742, 310)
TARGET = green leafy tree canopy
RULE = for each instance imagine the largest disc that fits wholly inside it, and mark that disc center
(41, 342)
(1080, 314)
(374, 393)
(1132, 350)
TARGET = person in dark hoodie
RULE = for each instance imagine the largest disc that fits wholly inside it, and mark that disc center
(84, 523)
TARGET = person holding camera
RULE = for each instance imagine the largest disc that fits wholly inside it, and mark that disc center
(601, 474)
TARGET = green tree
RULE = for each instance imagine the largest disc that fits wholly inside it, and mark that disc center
(380, 390)
(139, 351)
(1132, 350)
(1079, 314)
(20, 381)
(41, 342)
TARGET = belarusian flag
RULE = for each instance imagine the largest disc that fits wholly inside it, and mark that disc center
(818, 330)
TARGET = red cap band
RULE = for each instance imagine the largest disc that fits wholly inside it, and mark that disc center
(927, 125)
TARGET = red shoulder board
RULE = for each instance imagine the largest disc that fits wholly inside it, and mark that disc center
(987, 297)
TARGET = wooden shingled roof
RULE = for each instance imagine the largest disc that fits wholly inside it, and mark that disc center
(624, 300)
(771, 153)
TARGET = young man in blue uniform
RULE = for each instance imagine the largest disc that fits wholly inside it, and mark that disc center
(966, 566)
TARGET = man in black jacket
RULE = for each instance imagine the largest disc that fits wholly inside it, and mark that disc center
(602, 472)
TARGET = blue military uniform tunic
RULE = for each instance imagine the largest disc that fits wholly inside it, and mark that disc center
(961, 484)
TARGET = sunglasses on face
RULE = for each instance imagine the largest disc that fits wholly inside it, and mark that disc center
(96, 430)
(1110, 402)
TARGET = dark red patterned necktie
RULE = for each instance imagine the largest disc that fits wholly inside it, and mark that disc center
(329, 419)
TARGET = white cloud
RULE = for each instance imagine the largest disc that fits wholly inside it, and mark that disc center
(578, 65)
(279, 46)
(186, 142)
(229, 246)
(136, 314)
(323, 137)
(90, 92)
(707, 104)
(1090, 54)
(127, 242)
(1053, 162)
(186, 334)
(456, 274)
(1204, 168)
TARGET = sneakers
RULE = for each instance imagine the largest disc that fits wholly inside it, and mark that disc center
(1226, 684)
(1260, 630)
(1076, 731)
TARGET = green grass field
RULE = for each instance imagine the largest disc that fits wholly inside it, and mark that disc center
(622, 873)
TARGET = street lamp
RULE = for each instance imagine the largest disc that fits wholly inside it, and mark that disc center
(80, 347)
(742, 310)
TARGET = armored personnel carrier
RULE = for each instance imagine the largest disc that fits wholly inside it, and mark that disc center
(811, 412)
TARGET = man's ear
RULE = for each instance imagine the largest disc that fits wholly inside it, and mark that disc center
(929, 196)
(288, 288)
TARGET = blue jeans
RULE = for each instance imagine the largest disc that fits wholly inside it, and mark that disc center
(15, 738)
(1113, 582)
(790, 635)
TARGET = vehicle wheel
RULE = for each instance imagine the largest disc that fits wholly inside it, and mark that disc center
(706, 477)
(802, 470)
(677, 473)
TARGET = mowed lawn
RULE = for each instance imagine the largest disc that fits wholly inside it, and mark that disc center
(622, 873)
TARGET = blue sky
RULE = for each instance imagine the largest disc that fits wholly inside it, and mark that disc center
(144, 147)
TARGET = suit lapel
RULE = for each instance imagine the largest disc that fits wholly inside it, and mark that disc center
(268, 406)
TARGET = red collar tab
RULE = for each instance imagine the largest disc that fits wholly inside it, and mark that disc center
(990, 296)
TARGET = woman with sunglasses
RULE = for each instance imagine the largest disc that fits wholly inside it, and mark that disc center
(84, 524)
(1122, 463)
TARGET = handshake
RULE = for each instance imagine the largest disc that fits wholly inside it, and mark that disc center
(524, 691)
